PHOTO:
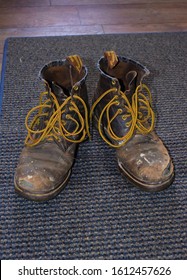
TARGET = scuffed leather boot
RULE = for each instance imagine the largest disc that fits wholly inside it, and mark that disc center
(55, 127)
(123, 115)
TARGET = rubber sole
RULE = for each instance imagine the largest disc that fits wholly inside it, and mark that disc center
(40, 197)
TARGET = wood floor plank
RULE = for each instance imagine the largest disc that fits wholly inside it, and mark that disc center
(139, 28)
(24, 3)
(108, 2)
(90, 2)
(48, 31)
(137, 13)
(38, 16)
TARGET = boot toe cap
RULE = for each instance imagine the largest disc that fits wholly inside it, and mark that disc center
(151, 170)
(42, 173)
(39, 185)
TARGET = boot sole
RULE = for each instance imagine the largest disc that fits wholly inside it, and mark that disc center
(39, 197)
(144, 186)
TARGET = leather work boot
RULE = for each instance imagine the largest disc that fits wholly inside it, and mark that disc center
(55, 127)
(125, 120)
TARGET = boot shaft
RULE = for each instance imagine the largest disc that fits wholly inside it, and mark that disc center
(65, 78)
(64, 106)
(120, 72)
(119, 106)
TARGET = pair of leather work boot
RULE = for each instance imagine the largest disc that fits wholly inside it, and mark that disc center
(121, 111)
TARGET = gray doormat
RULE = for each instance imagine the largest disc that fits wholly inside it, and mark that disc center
(99, 215)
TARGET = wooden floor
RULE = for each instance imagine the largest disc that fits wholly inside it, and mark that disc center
(60, 17)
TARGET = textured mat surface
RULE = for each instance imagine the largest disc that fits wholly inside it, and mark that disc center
(99, 215)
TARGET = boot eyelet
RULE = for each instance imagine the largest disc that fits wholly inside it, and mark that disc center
(71, 108)
(120, 111)
(117, 102)
(75, 87)
(113, 82)
(124, 117)
(68, 116)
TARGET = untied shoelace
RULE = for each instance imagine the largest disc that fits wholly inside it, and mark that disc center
(139, 119)
(55, 126)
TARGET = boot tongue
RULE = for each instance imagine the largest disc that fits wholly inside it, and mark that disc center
(59, 92)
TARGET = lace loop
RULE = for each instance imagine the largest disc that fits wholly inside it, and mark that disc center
(139, 111)
(55, 126)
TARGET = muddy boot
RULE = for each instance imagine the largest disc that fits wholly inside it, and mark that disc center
(55, 128)
(124, 117)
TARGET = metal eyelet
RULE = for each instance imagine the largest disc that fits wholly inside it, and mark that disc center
(75, 87)
(124, 117)
(113, 82)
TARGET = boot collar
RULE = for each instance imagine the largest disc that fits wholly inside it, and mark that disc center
(122, 68)
(69, 73)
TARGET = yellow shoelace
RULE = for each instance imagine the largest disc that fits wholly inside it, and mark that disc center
(140, 112)
(55, 126)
